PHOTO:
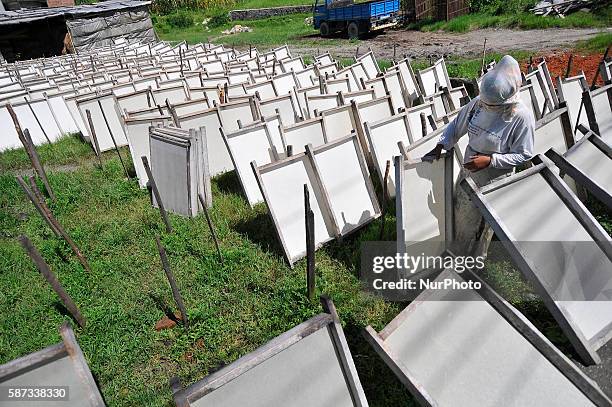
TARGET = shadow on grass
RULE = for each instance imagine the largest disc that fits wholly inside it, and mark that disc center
(381, 386)
(229, 183)
(261, 231)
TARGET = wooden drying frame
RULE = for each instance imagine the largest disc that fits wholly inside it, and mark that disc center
(562, 113)
(359, 60)
(312, 152)
(68, 347)
(327, 320)
(587, 100)
(507, 312)
(325, 203)
(240, 132)
(361, 123)
(449, 230)
(587, 350)
(287, 129)
(566, 167)
(297, 115)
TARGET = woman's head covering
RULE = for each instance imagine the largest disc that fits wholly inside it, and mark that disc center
(499, 89)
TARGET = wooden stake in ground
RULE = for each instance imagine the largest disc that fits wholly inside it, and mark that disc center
(113, 138)
(210, 226)
(28, 145)
(593, 83)
(52, 280)
(37, 121)
(484, 56)
(175, 291)
(160, 204)
(39, 203)
(568, 70)
(310, 245)
(383, 211)
(94, 137)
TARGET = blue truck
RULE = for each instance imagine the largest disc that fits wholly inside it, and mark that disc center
(355, 19)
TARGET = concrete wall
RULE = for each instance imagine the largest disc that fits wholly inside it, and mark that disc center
(255, 14)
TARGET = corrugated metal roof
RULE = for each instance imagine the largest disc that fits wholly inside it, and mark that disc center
(29, 15)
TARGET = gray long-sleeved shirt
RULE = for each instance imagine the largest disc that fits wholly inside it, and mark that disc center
(508, 143)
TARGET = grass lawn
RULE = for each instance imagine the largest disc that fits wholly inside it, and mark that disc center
(233, 307)
(599, 43)
(524, 21)
(244, 4)
(266, 32)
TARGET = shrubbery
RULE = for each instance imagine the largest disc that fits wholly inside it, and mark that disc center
(181, 19)
(218, 18)
(168, 6)
(499, 7)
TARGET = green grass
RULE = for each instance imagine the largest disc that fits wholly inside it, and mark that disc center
(68, 150)
(470, 68)
(266, 32)
(245, 4)
(598, 43)
(524, 21)
(233, 307)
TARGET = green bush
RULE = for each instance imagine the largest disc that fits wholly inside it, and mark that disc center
(499, 7)
(218, 18)
(181, 19)
(168, 6)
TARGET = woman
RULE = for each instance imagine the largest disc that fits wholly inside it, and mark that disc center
(500, 130)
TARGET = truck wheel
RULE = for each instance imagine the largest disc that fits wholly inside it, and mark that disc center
(352, 30)
(324, 29)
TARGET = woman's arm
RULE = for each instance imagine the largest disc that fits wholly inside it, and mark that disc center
(457, 128)
(453, 132)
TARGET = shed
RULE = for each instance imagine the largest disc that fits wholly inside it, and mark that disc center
(40, 32)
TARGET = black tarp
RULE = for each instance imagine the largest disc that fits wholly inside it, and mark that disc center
(89, 33)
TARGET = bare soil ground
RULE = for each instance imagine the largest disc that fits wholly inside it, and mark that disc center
(417, 44)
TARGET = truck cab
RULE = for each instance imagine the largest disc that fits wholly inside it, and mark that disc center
(356, 19)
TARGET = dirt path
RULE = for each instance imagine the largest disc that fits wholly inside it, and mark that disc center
(418, 44)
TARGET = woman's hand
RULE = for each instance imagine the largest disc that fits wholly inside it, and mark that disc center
(479, 162)
(433, 154)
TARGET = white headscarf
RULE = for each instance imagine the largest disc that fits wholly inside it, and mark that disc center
(499, 89)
